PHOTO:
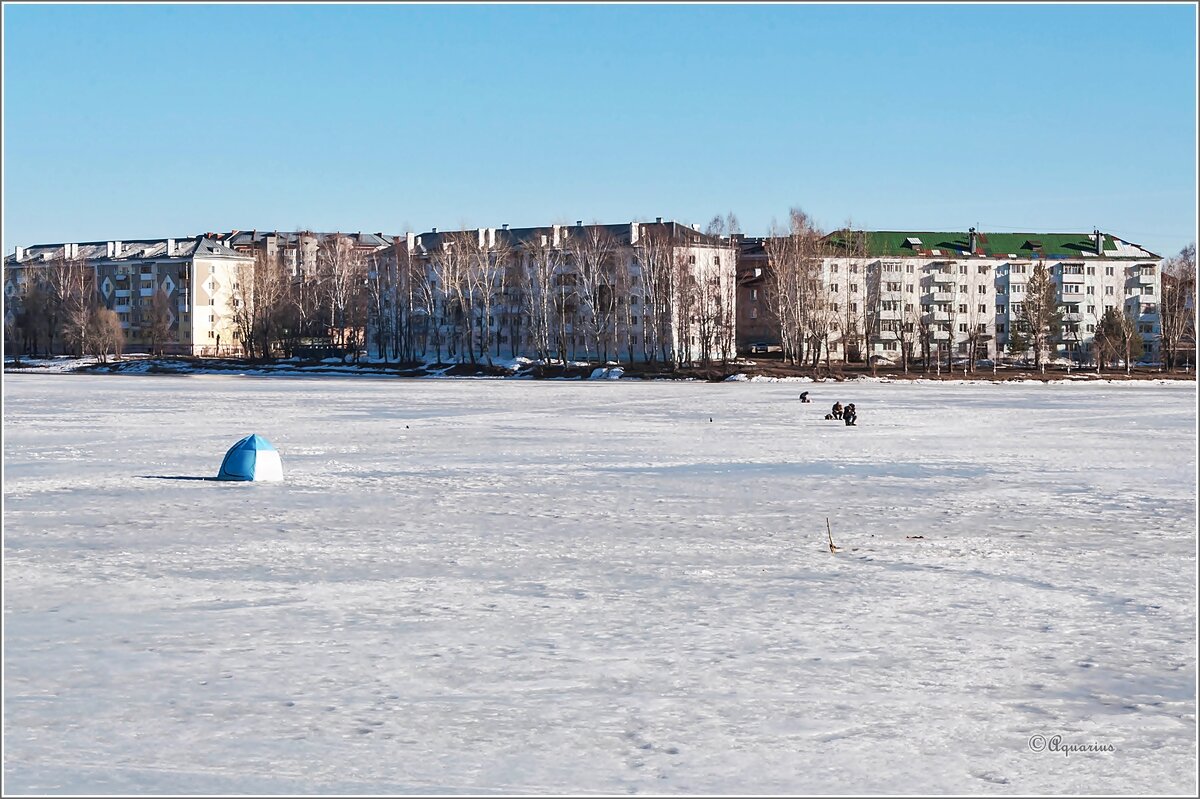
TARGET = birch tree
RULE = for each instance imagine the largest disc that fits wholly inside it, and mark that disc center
(1040, 313)
(1178, 306)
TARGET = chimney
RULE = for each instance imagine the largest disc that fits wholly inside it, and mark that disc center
(482, 237)
(410, 241)
(658, 220)
(434, 230)
(504, 226)
(1099, 240)
(19, 252)
(578, 223)
(633, 232)
(557, 236)
(971, 245)
(170, 248)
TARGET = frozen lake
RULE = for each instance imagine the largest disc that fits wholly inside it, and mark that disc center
(547, 587)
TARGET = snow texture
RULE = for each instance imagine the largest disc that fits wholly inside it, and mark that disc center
(566, 587)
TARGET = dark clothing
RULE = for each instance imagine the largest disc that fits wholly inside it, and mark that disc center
(850, 414)
(837, 410)
(804, 397)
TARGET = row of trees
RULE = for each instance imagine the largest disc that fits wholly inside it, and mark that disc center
(57, 308)
(311, 296)
(557, 294)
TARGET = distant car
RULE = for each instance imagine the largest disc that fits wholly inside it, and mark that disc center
(760, 346)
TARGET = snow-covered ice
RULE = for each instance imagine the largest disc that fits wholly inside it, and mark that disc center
(472, 586)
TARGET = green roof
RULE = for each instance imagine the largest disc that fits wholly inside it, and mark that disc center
(993, 245)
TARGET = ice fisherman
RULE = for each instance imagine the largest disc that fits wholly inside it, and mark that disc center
(850, 415)
(804, 397)
(837, 410)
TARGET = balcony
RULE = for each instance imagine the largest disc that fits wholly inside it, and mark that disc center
(1072, 317)
(121, 293)
(938, 316)
(1069, 278)
(941, 335)
(887, 335)
(940, 296)
(121, 308)
(1145, 279)
(146, 292)
(892, 315)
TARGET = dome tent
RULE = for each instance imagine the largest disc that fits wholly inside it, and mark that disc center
(252, 458)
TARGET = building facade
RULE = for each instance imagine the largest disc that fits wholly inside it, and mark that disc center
(957, 296)
(637, 292)
(199, 280)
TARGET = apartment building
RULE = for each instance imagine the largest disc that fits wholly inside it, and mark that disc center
(199, 276)
(641, 291)
(298, 249)
(959, 295)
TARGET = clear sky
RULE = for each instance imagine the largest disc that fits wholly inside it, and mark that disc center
(130, 121)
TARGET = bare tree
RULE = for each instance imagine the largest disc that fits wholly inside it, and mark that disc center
(77, 284)
(1178, 306)
(794, 286)
(1040, 313)
(156, 321)
(341, 271)
(590, 250)
(541, 262)
(104, 334)
(656, 253)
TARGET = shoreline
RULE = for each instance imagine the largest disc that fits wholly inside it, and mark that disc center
(523, 369)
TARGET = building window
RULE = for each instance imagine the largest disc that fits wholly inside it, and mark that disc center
(1108, 289)
(633, 320)
(983, 309)
(908, 306)
(754, 294)
(833, 268)
(983, 269)
(1000, 309)
(1147, 289)
(1000, 328)
(691, 259)
(854, 307)
(962, 327)
(962, 307)
(981, 327)
(853, 288)
(962, 269)
(909, 269)
(893, 286)
(833, 287)
(854, 269)
(716, 260)
(753, 311)
(1108, 270)
(909, 288)
(1091, 328)
(1091, 289)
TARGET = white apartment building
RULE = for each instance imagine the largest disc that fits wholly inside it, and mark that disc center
(200, 277)
(636, 292)
(958, 295)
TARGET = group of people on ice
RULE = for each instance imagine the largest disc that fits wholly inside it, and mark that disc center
(848, 414)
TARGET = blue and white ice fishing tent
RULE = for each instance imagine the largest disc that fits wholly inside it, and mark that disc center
(252, 458)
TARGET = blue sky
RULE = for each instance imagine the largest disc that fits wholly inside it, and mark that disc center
(132, 121)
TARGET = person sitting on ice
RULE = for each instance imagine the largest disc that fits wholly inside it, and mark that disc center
(837, 410)
(804, 397)
(850, 415)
